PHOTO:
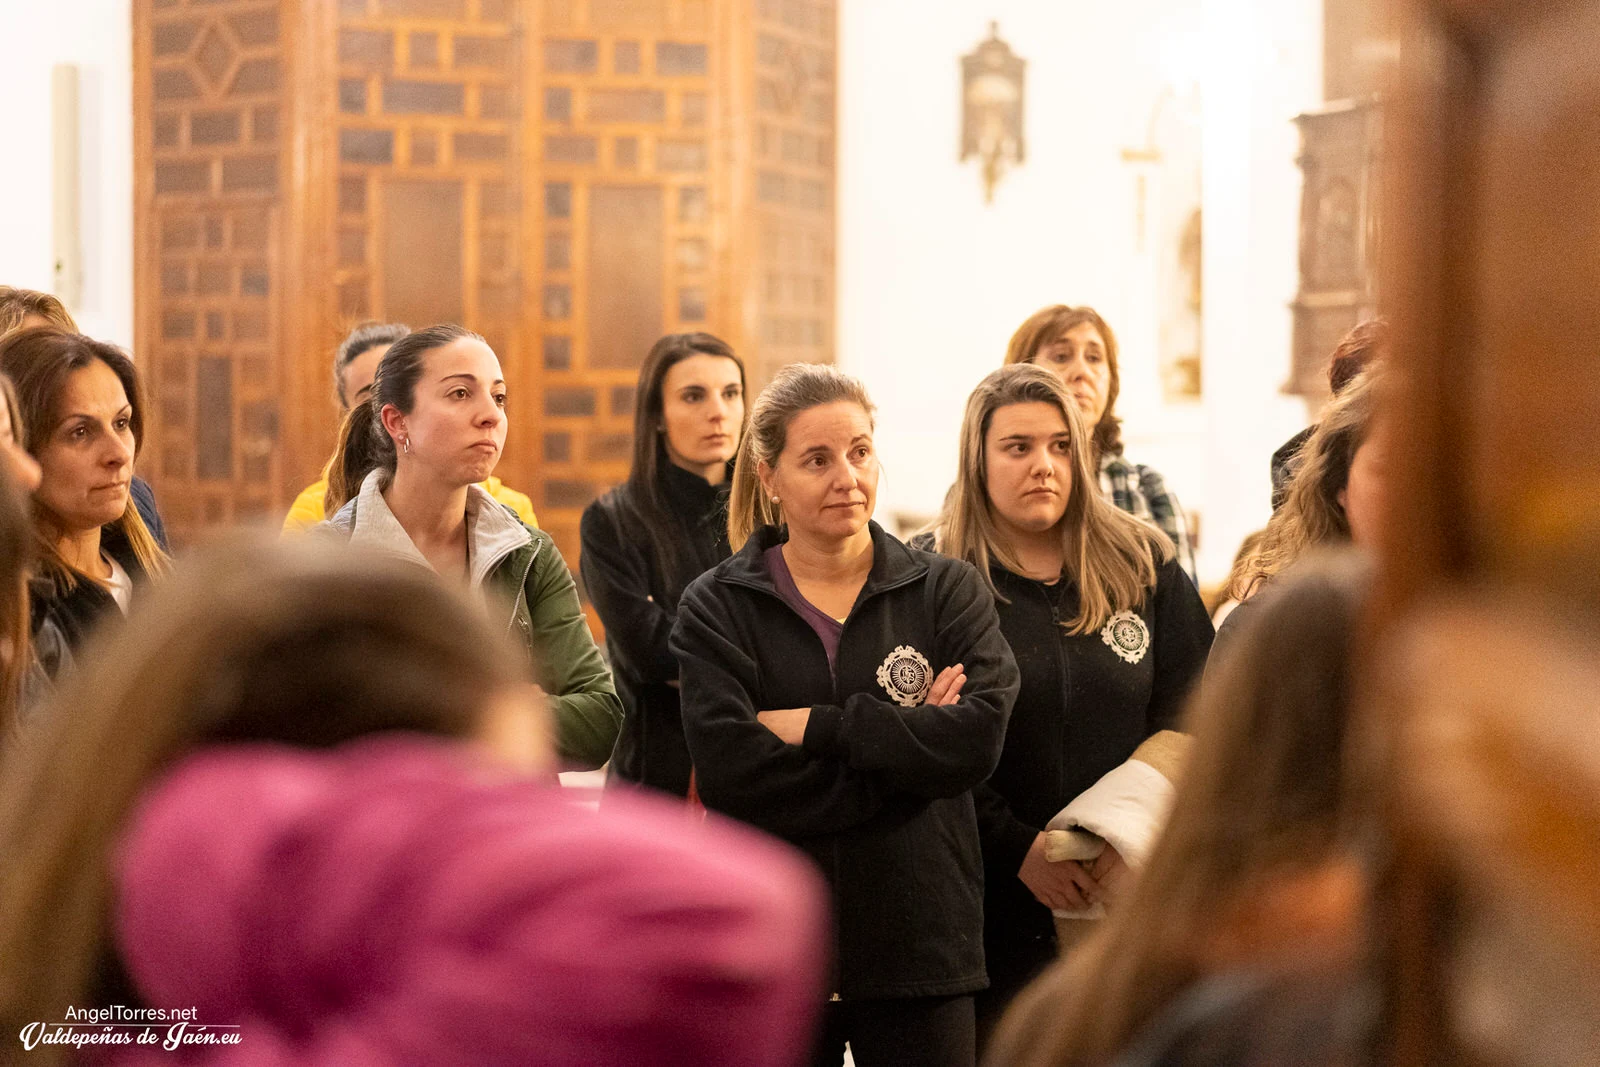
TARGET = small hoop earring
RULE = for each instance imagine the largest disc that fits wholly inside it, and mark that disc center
(406, 442)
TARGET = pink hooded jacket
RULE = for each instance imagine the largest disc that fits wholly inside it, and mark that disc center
(395, 901)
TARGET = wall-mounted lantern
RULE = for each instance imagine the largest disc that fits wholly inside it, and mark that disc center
(991, 108)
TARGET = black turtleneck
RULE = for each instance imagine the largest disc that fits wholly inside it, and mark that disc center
(636, 597)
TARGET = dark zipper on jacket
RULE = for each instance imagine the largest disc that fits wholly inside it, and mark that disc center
(1063, 671)
(833, 678)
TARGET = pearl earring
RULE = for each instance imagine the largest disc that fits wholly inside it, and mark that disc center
(774, 499)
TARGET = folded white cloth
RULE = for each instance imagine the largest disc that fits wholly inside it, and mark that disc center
(1126, 808)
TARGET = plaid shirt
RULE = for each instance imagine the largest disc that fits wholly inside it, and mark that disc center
(1143, 493)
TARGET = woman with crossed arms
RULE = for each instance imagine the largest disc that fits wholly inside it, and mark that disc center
(845, 693)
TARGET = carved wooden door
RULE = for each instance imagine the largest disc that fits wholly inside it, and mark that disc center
(685, 158)
(571, 178)
(211, 253)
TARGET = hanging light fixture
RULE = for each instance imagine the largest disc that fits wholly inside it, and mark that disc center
(991, 101)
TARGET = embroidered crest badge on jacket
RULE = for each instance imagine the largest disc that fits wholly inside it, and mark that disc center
(906, 676)
(1128, 636)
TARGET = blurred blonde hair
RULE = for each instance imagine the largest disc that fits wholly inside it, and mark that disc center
(17, 304)
(1312, 514)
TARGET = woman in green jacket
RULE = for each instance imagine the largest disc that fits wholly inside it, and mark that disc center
(408, 468)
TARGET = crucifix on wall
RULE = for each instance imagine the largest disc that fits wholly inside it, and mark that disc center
(1167, 226)
(991, 108)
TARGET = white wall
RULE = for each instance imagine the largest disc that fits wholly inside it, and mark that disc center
(97, 36)
(1268, 69)
(932, 282)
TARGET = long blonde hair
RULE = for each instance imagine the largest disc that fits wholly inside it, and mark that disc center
(796, 388)
(1110, 555)
(1312, 514)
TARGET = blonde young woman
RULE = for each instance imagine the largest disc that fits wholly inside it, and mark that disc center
(1077, 346)
(846, 693)
(1109, 635)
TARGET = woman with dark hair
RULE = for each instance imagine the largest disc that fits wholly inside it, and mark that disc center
(355, 362)
(407, 482)
(28, 309)
(305, 794)
(1077, 346)
(846, 693)
(83, 408)
(1109, 637)
(647, 539)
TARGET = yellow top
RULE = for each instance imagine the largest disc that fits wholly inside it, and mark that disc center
(307, 509)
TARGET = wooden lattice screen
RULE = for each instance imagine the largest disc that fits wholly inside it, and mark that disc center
(571, 178)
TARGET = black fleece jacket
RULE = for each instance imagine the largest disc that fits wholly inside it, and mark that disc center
(878, 794)
(637, 599)
(1081, 712)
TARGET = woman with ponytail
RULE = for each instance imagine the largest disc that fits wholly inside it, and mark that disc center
(355, 362)
(846, 693)
(406, 481)
(308, 796)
